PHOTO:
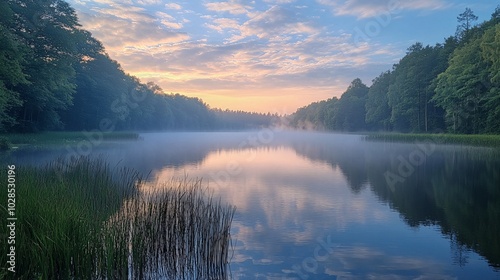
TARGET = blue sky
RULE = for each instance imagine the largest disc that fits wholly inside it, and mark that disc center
(266, 55)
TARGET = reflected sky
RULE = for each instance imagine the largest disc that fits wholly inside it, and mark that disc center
(288, 206)
(309, 205)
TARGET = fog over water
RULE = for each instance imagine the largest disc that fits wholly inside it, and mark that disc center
(316, 205)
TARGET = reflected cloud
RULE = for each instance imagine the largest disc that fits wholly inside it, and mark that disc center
(361, 262)
(303, 187)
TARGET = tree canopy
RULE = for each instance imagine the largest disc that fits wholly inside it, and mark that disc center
(54, 75)
(452, 86)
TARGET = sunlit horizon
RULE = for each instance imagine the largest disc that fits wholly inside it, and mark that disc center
(266, 56)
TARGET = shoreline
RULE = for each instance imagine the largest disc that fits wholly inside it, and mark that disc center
(476, 140)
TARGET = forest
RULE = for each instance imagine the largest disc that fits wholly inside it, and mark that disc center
(452, 87)
(55, 76)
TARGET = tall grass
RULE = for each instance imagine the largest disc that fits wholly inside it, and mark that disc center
(176, 231)
(64, 137)
(85, 220)
(485, 140)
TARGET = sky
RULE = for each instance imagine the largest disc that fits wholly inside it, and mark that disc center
(266, 55)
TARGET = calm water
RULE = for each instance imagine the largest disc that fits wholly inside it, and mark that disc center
(329, 206)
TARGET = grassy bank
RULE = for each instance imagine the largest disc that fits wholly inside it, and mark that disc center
(65, 137)
(83, 220)
(472, 140)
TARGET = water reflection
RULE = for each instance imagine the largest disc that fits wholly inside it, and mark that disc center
(318, 206)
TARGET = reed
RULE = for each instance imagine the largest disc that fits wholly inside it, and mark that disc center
(175, 231)
(484, 140)
(85, 220)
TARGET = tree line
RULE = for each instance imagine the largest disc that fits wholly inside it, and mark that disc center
(453, 86)
(55, 76)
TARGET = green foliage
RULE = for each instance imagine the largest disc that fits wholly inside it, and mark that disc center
(346, 114)
(467, 90)
(55, 75)
(45, 138)
(12, 55)
(84, 220)
(461, 139)
(351, 112)
(453, 86)
(318, 115)
(411, 90)
(228, 119)
(46, 29)
(490, 48)
(465, 20)
(4, 144)
(378, 112)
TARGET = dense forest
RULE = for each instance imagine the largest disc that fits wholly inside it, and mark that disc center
(453, 86)
(54, 75)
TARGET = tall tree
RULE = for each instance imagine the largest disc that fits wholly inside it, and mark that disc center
(378, 112)
(411, 90)
(47, 27)
(12, 59)
(461, 89)
(490, 47)
(465, 23)
(351, 108)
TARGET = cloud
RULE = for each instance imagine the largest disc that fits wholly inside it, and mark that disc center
(222, 24)
(119, 32)
(149, 2)
(173, 6)
(233, 7)
(264, 51)
(371, 8)
(276, 21)
(279, 1)
(123, 26)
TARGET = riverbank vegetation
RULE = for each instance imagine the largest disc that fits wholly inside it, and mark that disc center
(54, 75)
(63, 137)
(85, 220)
(453, 86)
(458, 139)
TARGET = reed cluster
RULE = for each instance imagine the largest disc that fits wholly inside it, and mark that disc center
(175, 231)
(484, 140)
(86, 220)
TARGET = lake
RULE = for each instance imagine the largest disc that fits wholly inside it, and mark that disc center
(316, 205)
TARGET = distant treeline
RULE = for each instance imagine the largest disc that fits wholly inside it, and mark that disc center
(54, 75)
(453, 86)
